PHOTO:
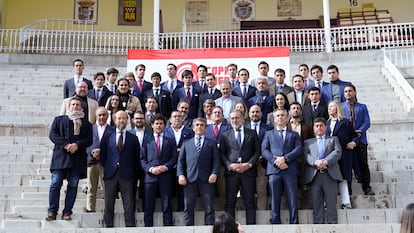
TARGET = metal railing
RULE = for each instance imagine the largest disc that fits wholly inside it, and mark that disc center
(33, 40)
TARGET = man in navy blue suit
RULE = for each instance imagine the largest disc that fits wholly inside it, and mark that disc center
(220, 125)
(212, 93)
(188, 93)
(100, 92)
(239, 151)
(282, 147)
(95, 169)
(334, 90)
(262, 98)
(197, 169)
(358, 115)
(163, 97)
(255, 115)
(69, 86)
(173, 83)
(71, 134)
(317, 74)
(140, 85)
(179, 133)
(119, 156)
(158, 159)
(244, 90)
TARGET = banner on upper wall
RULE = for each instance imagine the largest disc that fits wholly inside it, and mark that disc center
(216, 60)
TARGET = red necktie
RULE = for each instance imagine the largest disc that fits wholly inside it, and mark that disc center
(158, 142)
(188, 95)
(216, 130)
(140, 84)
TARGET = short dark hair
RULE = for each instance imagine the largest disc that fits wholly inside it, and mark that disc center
(112, 70)
(187, 73)
(76, 60)
(151, 97)
(320, 119)
(202, 66)
(318, 67)
(315, 89)
(120, 80)
(295, 103)
(305, 65)
(330, 67)
(156, 74)
(139, 65)
(212, 75)
(170, 64)
(95, 76)
(263, 63)
(280, 70)
(158, 116)
(351, 86)
(225, 223)
(243, 69)
(298, 75)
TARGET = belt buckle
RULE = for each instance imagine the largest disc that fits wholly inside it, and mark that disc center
(322, 171)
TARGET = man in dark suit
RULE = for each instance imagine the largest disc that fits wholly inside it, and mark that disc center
(197, 169)
(255, 115)
(322, 174)
(119, 156)
(70, 85)
(232, 72)
(140, 85)
(315, 107)
(173, 83)
(281, 148)
(112, 75)
(239, 150)
(280, 86)
(200, 83)
(299, 94)
(95, 169)
(317, 74)
(244, 90)
(100, 92)
(163, 97)
(334, 90)
(179, 133)
(358, 115)
(71, 134)
(158, 159)
(188, 93)
(262, 98)
(307, 81)
(212, 93)
(143, 133)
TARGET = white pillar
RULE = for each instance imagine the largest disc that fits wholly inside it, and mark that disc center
(156, 28)
(327, 25)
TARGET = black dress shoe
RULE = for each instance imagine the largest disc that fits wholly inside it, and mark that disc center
(346, 206)
(368, 191)
(50, 217)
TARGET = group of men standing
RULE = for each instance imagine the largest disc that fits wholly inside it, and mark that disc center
(161, 154)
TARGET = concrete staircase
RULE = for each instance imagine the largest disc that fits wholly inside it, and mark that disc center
(32, 95)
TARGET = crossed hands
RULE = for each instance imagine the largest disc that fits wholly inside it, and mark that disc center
(320, 164)
(157, 170)
(239, 167)
(280, 162)
(71, 148)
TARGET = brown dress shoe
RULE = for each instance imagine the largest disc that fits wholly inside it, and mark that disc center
(66, 217)
(50, 217)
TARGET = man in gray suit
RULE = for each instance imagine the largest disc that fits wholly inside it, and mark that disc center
(322, 154)
(197, 169)
(227, 101)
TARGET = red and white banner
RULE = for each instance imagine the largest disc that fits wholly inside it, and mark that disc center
(216, 60)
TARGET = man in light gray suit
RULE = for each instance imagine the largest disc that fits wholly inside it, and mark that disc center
(322, 154)
(227, 101)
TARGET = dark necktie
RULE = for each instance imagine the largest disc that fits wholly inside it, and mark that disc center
(239, 137)
(158, 143)
(188, 95)
(120, 141)
(282, 140)
(245, 91)
(211, 92)
(171, 87)
(198, 146)
(157, 93)
(313, 107)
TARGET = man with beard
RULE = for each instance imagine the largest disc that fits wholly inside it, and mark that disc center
(71, 134)
(88, 105)
(120, 156)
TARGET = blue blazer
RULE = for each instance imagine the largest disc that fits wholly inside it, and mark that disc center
(167, 157)
(61, 134)
(291, 148)
(266, 105)
(186, 133)
(327, 91)
(96, 142)
(140, 94)
(127, 157)
(105, 94)
(362, 119)
(180, 95)
(195, 167)
(165, 86)
(210, 132)
(251, 91)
